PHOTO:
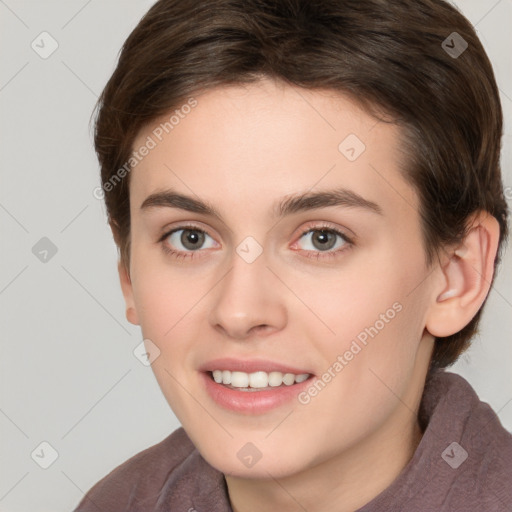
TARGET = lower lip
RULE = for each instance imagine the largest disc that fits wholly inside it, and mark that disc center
(252, 402)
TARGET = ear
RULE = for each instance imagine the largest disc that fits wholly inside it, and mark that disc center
(466, 273)
(127, 288)
(124, 278)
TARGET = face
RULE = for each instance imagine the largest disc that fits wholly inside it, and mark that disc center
(271, 228)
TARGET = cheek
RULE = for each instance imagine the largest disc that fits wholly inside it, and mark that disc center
(164, 294)
(371, 312)
(344, 303)
(167, 304)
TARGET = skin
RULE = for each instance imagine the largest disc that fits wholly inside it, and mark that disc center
(242, 149)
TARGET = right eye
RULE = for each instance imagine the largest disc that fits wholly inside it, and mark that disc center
(185, 240)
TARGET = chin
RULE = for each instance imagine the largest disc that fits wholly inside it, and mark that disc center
(262, 466)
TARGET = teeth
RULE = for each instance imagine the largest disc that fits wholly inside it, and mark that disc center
(226, 377)
(239, 379)
(257, 379)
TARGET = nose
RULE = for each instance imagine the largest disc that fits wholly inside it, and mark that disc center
(248, 300)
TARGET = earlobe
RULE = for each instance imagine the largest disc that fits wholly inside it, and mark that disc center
(467, 274)
(127, 289)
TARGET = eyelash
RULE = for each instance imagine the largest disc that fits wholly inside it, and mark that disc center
(310, 254)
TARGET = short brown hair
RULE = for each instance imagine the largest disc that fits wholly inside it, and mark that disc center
(389, 56)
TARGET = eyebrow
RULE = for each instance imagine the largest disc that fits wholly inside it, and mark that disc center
(294, 204)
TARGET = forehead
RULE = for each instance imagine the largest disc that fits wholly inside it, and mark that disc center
(249, 145)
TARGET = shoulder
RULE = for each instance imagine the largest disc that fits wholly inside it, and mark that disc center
(138, 481)
(463, 462)
(487, 453)
(476, 450)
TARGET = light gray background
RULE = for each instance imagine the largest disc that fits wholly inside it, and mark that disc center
(68, 374)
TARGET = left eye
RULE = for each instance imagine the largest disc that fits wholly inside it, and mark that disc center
(323, 240)
(190, 239)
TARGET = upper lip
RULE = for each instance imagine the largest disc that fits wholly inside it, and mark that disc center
(249, 366)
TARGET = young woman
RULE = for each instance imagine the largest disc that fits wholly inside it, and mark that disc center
(309, 208)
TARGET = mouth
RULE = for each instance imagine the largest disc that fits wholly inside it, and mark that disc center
(253, 387)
